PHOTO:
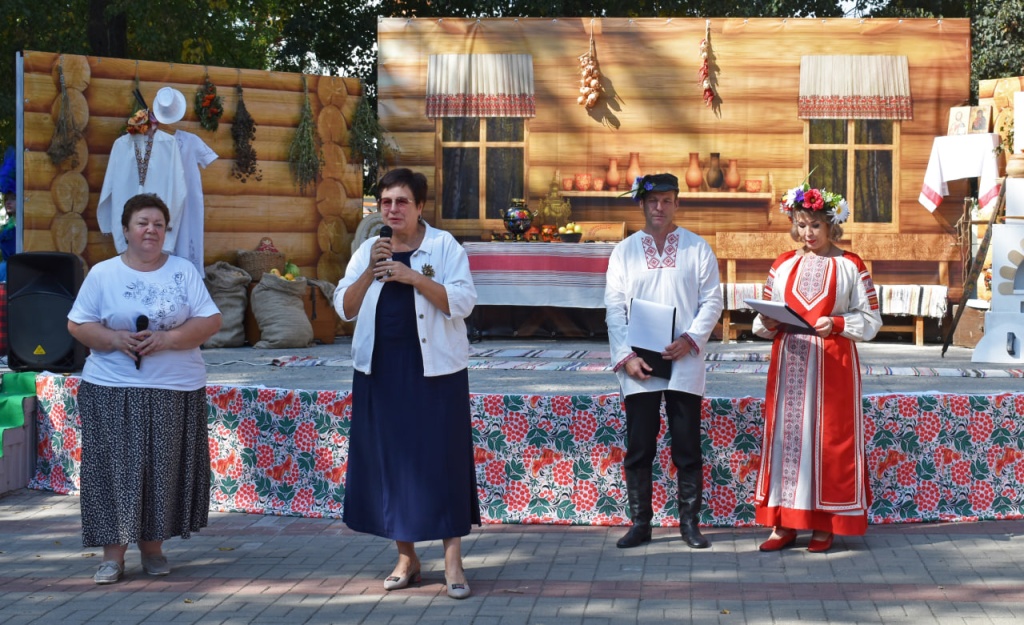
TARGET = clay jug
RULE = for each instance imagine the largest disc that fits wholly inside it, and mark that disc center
(732, 176)
(611, 177)
(694, 176)
(715, 176)
(633, 172)
(1015, 166)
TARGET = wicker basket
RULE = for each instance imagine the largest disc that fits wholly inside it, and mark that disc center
(256, 263)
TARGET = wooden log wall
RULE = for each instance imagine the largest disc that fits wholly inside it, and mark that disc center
(653, 105)
(313, 230)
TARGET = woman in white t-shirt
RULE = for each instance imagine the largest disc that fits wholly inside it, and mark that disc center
(145, 457)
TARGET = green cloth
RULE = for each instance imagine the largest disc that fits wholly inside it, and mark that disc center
(13, 390)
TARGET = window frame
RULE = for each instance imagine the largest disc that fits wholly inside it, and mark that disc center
(481, 225)
(851, 148)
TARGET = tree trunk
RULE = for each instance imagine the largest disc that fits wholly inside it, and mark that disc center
(107, 34)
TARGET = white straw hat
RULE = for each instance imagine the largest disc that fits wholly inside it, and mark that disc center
(169, 105)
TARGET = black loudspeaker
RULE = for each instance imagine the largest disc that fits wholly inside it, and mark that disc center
(41, 288)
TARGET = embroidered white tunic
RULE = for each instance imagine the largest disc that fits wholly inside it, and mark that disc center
(164, 177)
(683, 275)
(813, 468)
(194, 154)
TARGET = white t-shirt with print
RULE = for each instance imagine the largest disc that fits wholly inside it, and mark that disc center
(116, 295)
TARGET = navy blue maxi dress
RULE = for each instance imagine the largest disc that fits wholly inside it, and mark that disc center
(411, 475)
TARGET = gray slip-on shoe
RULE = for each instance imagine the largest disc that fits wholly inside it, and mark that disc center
(108, 572)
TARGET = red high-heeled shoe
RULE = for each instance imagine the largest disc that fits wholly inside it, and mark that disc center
(822, 545)
(775, 544)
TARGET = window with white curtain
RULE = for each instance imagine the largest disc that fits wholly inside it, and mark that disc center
(852, 107)
(480, 104)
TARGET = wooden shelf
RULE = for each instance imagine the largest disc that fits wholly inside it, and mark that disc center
(765, 199)
(685, 196)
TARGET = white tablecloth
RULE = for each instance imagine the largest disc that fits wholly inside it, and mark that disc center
(963, 156)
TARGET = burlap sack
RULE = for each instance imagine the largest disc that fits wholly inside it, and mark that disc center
(280, 313)
(227, 286)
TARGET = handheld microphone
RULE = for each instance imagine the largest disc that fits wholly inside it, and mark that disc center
(142, 323)
(385, 233)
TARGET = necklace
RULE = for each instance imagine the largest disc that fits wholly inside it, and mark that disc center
(143, 162)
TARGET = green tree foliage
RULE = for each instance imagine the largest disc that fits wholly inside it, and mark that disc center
(997, 44)
(997, 30)
(34, 25)
(230, 33)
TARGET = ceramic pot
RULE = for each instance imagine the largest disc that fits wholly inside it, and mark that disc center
(583, 182)
(732, 176)
(567, 184)
(517, 217)
(715, 177)
(1015, 166)
(633, 171)
(694, 176)
(598, 184)
(611, 177)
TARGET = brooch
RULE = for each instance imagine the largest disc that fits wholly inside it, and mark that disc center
(428, 271)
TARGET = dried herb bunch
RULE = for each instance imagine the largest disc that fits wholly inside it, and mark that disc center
(243, 132)
(208, 105)
(305, 154)
(65, 133)
(369, 143)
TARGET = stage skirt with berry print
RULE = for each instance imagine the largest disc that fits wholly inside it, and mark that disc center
(411, 475)
(145, 464)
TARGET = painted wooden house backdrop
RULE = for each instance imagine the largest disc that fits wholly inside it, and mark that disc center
(653, 105)
(313, 230)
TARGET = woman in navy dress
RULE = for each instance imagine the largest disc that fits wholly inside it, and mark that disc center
(411, 475)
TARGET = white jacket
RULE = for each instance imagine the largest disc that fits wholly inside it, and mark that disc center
(443, 341)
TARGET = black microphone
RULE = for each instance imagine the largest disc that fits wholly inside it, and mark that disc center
(385, 232)
(142, 323)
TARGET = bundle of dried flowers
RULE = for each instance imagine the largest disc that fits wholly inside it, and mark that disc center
(65, 133)
(243, 132)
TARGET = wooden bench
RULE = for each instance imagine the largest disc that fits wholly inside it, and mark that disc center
(731, 247)
(940, 249)
(893, 298)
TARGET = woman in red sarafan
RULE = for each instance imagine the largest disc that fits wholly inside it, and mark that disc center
(813, 474)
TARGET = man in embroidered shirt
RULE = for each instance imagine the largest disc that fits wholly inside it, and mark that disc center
(669, 265)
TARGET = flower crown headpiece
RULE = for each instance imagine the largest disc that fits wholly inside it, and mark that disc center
(804, 197)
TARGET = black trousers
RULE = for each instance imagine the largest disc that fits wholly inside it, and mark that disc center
(643, 422)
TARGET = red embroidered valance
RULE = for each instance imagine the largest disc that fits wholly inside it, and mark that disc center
(855, 87)
(480, 85)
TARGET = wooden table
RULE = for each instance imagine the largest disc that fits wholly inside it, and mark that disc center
(548, 278)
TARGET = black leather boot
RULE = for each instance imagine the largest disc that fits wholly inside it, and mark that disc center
(638, 488)
(691, 491)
